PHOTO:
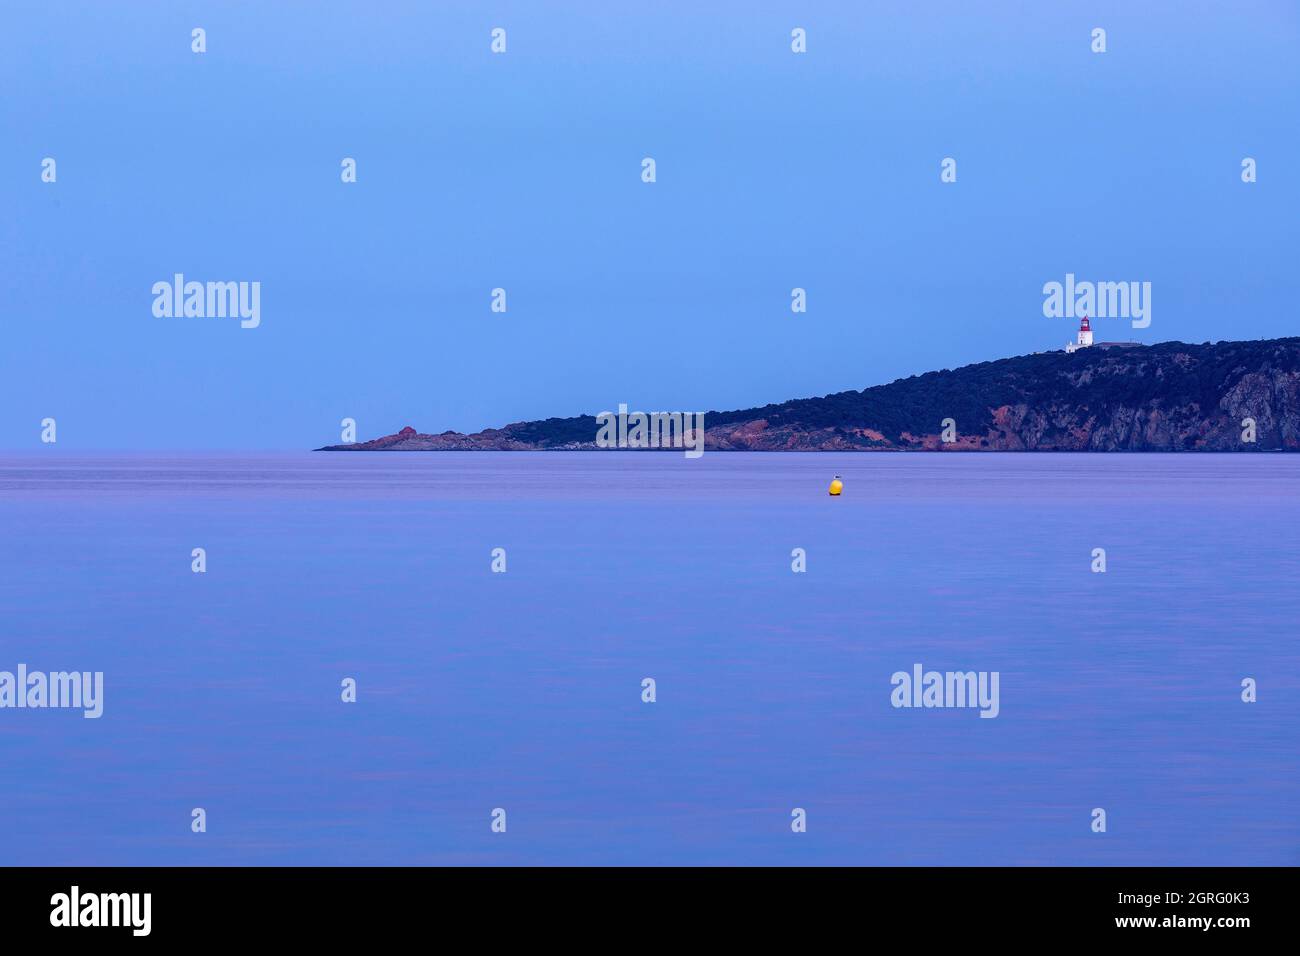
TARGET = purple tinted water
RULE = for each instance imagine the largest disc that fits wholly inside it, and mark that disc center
(523, 690)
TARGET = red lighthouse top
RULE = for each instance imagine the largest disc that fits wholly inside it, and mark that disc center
(1084, 326)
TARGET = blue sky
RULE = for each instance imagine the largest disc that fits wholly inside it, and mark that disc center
(522, 171)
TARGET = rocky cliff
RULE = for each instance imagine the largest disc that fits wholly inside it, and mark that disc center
(1167, 397)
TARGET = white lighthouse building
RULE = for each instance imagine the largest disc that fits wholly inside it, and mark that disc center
(1085, 337)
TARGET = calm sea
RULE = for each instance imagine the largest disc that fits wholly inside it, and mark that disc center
(479, 690)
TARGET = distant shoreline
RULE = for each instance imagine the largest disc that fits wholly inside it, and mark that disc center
(1241, 397)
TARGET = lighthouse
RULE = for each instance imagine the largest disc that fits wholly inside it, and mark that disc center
(1085, 336)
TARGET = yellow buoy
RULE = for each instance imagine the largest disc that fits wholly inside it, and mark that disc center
(836, 485)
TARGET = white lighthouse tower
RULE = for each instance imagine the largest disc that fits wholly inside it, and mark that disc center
(1085, 337)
